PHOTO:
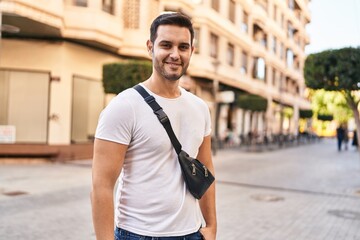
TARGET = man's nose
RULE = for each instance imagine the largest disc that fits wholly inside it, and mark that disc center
(174, 53)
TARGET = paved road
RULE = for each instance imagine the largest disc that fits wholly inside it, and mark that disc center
(309, 192)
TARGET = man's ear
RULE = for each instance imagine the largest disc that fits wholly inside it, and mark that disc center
(149, 47)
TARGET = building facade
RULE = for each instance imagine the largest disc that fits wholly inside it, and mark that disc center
(52, 53)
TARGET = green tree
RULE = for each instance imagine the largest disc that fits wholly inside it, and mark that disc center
(330, 103)
(336, 70)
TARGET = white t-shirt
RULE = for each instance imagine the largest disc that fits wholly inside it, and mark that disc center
(152, 198)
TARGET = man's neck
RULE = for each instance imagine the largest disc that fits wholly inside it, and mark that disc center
(162, 87)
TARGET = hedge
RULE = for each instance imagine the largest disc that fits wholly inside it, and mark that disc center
(122, 75)
(306, 113)
(325, 117)
(251, 102)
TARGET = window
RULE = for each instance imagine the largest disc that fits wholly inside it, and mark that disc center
(244, 23)
(291, 4)
(243, 62)
(290, 31)
(274, 44)
(287, 84)
(259, 70)
(275, 13)
(197, 39)
(232, 8)
(131, 11)
(289, 58)
(214, 45)
(299, 42)
(274, 77)
(296, 62)
(282, 51)
(80, 3)
(282, 20)
(230, 54)
(108, 6)
(281, 85)
(259, 35)
(262, 4)
(215, 4)
(263, 40)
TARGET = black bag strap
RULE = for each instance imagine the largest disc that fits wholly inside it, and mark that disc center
(161, 115)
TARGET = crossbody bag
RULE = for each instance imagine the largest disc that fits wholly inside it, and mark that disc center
(196, 176)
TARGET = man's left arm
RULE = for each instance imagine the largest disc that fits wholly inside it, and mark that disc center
(207, 202)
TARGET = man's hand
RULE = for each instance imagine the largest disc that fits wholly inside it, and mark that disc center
(208, 233)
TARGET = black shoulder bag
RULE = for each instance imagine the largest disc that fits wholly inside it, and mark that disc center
(197, 177)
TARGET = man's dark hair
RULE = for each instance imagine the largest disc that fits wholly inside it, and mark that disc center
(176, 19)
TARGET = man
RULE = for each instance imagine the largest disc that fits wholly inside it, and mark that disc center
(340, 134)
(152, 199)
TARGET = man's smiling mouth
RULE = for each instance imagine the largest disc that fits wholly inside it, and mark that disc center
(173, 64)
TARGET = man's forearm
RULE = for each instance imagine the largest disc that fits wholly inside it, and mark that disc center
(208, 208)
(103, 214)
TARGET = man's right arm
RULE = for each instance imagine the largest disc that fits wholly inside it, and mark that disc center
(107, 164)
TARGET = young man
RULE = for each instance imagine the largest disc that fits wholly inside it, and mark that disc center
(152, 200)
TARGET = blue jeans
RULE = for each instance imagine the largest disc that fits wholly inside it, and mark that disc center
(121, 234)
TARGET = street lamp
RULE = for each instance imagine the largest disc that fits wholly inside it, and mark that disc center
(215, 93)
(281, 109)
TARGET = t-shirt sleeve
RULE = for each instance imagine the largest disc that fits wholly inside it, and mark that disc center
(207, 121)
(116, 122)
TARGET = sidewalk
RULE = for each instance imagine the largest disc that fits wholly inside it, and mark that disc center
(305, 193)
(308, 192)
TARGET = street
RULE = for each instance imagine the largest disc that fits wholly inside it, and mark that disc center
(308, 192)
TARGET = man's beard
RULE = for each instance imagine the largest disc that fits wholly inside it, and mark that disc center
(170, 76)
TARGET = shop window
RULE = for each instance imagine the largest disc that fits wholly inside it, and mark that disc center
(24, 104)
(87, 102)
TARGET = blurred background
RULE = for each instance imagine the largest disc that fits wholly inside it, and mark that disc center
(280, 77)
(62, 61)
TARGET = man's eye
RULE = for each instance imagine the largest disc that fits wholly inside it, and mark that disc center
(185, 47)
(166, 45)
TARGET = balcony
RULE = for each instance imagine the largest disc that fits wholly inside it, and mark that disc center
(54, 20)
